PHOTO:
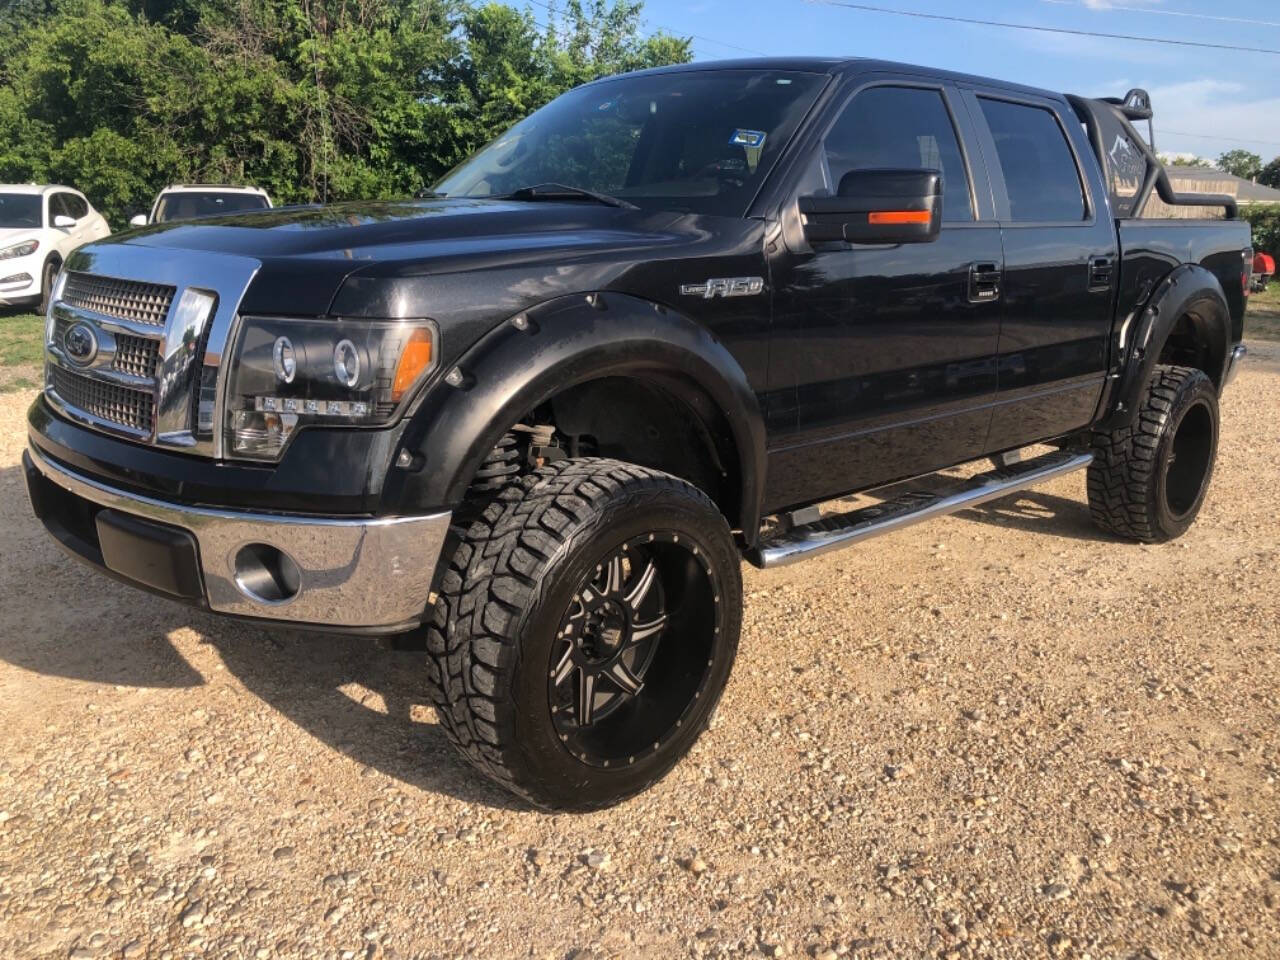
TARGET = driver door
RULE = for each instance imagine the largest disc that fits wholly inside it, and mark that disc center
(890, 349)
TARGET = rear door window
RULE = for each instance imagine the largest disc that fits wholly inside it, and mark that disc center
(901, 128)
(76, 206)
(1040, 173)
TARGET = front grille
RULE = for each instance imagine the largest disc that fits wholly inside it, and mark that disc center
(106, 401)
(136, 355)
(123, 299)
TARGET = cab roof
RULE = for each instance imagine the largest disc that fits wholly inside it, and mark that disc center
(841, 67)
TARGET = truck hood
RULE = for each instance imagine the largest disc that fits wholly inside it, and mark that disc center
(425, 232)
(307, 253)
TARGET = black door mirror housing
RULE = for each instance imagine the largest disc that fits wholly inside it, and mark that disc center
(877, 206)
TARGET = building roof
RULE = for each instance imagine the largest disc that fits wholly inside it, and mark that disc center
(1210, 180)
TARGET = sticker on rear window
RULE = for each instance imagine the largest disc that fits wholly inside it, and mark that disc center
(747, 138)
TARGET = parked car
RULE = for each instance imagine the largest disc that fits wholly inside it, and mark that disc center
(1264, 268)
(535, 421)
(185, 201)
(40, 226)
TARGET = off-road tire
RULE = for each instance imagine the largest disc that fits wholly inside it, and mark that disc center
(492, 632)
(1136, 488)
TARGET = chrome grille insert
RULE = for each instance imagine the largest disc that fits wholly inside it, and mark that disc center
(124, 299)
(123, 406)
(136, 355)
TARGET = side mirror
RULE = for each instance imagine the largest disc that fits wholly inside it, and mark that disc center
(138, 220)
(878, 206)
(63, 222)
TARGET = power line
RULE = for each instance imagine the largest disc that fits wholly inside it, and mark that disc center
(696, 36)
(1132, 38)
(1212, 136)
(1166, 13)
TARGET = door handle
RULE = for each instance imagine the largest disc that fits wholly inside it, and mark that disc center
(984, 282)
(1101, 271)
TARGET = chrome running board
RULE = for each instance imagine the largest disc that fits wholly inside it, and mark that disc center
(838, 531)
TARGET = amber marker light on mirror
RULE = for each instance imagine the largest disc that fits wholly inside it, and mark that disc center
(415, 359)
(899, 216)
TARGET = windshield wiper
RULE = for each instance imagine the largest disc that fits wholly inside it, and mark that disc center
(559, 191)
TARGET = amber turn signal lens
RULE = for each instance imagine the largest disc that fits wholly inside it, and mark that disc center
(899, 216)
(415, 358)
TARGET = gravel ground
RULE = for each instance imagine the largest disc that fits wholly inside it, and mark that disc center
(999, 734)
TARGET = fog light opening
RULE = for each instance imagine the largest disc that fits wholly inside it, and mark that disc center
(266, 575)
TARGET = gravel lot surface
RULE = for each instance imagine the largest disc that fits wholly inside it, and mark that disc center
(999, 734)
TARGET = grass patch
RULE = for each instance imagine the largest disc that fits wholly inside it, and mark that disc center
(18, 384)
(1263, 320)
(21, 340)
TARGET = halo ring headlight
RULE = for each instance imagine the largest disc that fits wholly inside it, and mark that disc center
(285, 360)
(346, 363)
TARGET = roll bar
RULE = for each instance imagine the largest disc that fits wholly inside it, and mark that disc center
(1136, 105)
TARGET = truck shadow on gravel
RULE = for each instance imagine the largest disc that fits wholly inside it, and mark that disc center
(361, 697)
(367, 701)
(1039, 513)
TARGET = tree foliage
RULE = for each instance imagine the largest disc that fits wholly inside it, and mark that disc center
(311, 99)
(1270, 174)
(1240, 163)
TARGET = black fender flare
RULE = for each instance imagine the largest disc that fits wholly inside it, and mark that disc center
(1188, 290)
(528, 359)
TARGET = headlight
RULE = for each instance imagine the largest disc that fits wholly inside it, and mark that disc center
(23, 249)
(285, 374)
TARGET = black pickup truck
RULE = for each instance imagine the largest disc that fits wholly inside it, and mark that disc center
(533, 419)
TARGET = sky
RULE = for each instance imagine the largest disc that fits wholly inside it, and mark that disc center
(1206, 101)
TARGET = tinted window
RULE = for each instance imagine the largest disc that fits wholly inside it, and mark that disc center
(76, 206)
(1040, 172)
(57, 206)
(700, 141)
(905, 128)
(189, 205)
(20, 210)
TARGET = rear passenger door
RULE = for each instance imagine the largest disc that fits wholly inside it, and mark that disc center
(1059, 266)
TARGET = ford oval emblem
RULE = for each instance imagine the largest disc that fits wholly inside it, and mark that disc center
(80, 343)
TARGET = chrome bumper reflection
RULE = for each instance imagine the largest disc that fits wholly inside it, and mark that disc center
(351, 573)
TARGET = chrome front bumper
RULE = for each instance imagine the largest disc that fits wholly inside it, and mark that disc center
(368, 574)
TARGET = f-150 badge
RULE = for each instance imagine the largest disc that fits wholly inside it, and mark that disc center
(724, 287)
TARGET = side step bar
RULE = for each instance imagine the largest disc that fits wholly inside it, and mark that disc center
(843, 530)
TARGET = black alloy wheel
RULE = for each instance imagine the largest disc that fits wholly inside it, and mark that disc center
(584, 631)
(633, 650)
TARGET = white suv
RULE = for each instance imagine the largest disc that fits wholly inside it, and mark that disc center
(39, 227)
(192, 201)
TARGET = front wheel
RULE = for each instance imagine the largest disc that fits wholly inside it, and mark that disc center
(48, 277)
(1148, 480)
(585, 630)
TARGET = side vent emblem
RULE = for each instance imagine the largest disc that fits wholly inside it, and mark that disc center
(724, 287)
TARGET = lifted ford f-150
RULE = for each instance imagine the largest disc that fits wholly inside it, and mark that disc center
(535, 418)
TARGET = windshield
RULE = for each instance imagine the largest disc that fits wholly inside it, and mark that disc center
(701, 142)
(20, 210)
(190, 204)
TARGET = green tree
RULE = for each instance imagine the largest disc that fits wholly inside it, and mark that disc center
(1270, 174)
(311, 99)
(1240, 163)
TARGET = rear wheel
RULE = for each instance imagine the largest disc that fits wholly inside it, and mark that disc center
(585, 631)
(1148, 480)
